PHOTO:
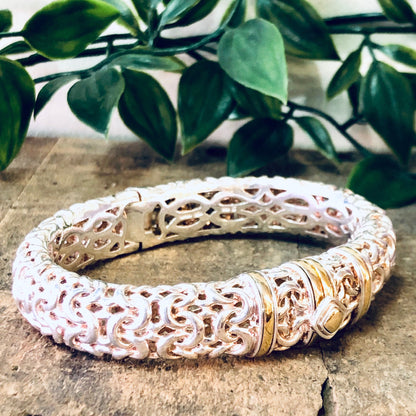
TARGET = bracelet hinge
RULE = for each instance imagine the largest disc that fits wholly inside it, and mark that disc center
(135, 230)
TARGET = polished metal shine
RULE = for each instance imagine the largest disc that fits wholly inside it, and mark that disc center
(252, 314)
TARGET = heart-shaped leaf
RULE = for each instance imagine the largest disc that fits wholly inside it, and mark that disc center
(319, 135)
(48, 90)
(204, 102)
(347, 74)
(388, 105)
(257, 144)
(63, 29)
(256, 104)
(303, 30)
(383, 182)
(253, 55)
(93, 99)
(147, 110)
(398, 10)
(151, 62)
(5, 20)
(17, 98)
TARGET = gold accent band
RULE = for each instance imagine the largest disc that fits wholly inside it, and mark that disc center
(319, 278)
(325, 320)
(365, 282)
(266, 295)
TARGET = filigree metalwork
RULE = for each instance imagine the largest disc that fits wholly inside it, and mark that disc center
(314, 296)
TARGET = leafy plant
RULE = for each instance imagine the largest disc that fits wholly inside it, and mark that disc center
(238, 71)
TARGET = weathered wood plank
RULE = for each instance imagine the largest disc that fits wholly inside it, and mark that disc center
(17, 175)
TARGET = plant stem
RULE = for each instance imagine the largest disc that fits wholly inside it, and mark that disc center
(370, 46)
(35, 58)
(145, 50)
(193, 42)
(342, 128)
(208, 49)
(288, 115)
(110, 47)
(349, 123)
(11, 34)
(116, 36)
(365, 24)
(356, 19)
(359, 30)
(51, 77)
(200, 41)
(195, 55)
(101, 39)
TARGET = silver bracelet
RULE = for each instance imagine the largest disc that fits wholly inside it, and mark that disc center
(252, 314)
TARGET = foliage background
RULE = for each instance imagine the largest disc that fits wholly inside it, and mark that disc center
(308, 80)
(386, 97)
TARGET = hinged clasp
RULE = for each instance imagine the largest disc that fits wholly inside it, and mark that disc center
(136, 213)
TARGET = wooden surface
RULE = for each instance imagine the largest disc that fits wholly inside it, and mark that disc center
(369, 369)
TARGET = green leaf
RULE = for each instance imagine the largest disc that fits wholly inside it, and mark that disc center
(397, 10)
(17, 98)
(253, 55)
(238, 113)
(126, 18)
(383, 182)
(319, 135)
(255, 103)
(146, 9)
(302, 28)
(239, 14)
(16, 48)
(257, 144)
(354, 96)
(347, 74)
(48, 90)
(411, 78)
(151, 62)
(64, 28)
(147, 110)
(142, 7)
(200, 10)
(6, 20)
(388, 105)
(93, 99)
(204, 102)
(229, 14)
(399, 53)
(175, 9)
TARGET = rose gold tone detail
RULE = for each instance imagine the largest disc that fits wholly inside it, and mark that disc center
(283, 306)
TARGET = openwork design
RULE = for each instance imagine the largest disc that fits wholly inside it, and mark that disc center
(251, 314)
(179, 211)
(294, 305)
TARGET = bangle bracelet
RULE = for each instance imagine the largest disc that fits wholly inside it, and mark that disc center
(252, 314)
